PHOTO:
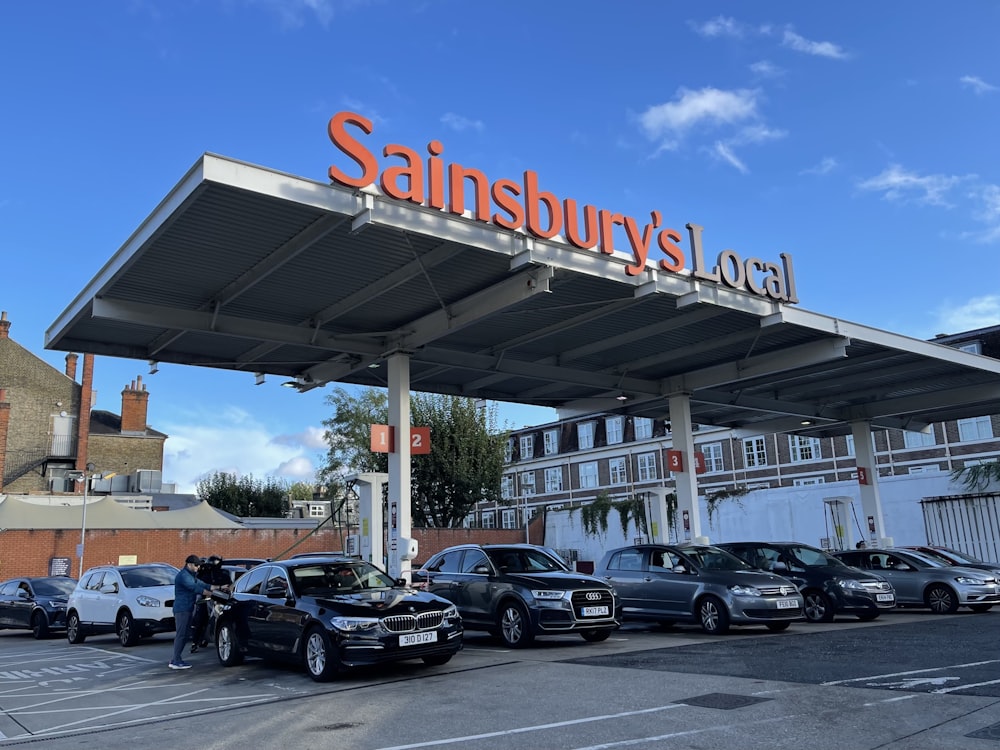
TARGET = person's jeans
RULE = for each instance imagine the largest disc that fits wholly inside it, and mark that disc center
(182, 620)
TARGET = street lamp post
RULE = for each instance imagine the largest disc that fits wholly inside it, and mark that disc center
(85, 478)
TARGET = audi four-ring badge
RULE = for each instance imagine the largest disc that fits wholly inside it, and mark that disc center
(520, 591)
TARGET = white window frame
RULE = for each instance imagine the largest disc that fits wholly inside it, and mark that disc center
(975, 428)
(614, 428)
(803, 449)
(553, 479)
(643, 428)
(587, 473)
(585, 435)
(527, 446)
(550, 442)
(915, 439)
(508, 518)
(317, 511)
(808, 481)
(489, 519)
(754, 452)
(618, 470)
(972, 347)
(646, 467)
(469, 521)
(713, 457)
(508, 451)
(528, 483)
(507, 486)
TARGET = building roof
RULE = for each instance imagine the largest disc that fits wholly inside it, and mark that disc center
(106, 513)
(319, 283)
(108, 423)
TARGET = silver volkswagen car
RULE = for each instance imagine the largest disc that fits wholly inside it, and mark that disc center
(698, 583)
(922, 581)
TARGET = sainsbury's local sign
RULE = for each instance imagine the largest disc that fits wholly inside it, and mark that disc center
(522, 205)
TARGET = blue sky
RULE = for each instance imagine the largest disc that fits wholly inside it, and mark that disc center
(860, 137)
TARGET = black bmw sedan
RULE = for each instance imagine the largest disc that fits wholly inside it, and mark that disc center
(331, 613)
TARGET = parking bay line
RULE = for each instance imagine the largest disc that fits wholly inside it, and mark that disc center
(911, 671)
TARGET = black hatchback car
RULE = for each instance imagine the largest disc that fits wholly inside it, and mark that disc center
(829, 586)
(519, 591)
(330, 613)
(35, 604)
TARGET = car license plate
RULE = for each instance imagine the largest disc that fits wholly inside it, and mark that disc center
(787, 604)
(415, 639)
(594, 611)
(884, 597)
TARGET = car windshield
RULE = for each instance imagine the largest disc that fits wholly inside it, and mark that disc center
(154, 575)
(961, 557)
(713, 558)
(810, 557)
(520, 560)
(921, 560)
(941, 558)
(330, 579)
(54, 586)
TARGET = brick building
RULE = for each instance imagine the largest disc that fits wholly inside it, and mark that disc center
(48, 428)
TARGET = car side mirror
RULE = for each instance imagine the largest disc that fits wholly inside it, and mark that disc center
(403, 583)
(483, 570)
(22, 594)
(109, 588)
(902, 566)
(276, 592)
(680, 569)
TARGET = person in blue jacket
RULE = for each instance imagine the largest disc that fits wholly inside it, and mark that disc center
(187, 590)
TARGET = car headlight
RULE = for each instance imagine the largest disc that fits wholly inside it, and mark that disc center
(741, 590)
(451, 613)
(848, 583)
(147, 601)
(548, 594)
(972, 581)
(354, 624)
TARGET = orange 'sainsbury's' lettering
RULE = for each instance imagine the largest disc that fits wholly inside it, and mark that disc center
(525, 206)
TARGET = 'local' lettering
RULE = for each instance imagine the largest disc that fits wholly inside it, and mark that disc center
(518, 205)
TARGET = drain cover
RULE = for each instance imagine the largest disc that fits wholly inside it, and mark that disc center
(724, 701)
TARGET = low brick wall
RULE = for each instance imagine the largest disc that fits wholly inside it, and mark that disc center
(25, 552)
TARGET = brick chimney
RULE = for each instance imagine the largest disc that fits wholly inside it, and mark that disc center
(134, 403)
(4, 423)
(83, 423)
(4, 326)
(71, 366)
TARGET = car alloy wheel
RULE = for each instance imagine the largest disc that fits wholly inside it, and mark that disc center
(127, 634)
(818, 607)
(226, 646)
(74, 631)
(321, 661)
(713, 616)
(39, 625)
(941, 600)
(515, 629)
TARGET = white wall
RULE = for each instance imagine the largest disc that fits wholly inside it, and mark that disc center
(782, 514)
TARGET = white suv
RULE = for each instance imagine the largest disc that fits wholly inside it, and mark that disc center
(130, 600)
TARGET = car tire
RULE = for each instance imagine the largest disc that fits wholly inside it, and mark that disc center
(437, 660)
(39, 625)
(980, 608)
(713, 616)
(128, 634)
(227, 645)
(74, 629)
(818, 607)
(596, 636)
(941, 600)
(514, 625)
(319, 656)
(868, 616)
(777, 627)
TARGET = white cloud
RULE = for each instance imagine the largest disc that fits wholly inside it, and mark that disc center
(723, 152)
(898, 184)
(819, 49)
(459, 123)
(978, 312)
(988, 211)
(766, 69)
(706, 107)
(826, 165)
(719, 26)
(977, 84)
(233, 441)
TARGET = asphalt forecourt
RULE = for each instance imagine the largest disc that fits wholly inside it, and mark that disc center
(907, 680)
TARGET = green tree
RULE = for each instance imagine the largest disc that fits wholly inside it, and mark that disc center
(244, 496)
(977, 477)
(464, 466)
(301, 492)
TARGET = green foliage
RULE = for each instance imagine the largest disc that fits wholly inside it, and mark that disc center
(464, 466)
(714, 499)
(595, 515)
(977, 477)
(300, 492)
(244, 496)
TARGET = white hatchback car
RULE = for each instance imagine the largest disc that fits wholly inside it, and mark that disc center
(131, 601)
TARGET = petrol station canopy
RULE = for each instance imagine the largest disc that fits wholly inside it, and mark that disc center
(250, 269)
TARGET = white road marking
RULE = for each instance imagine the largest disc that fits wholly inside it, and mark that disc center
(965, 687)
(912, 671)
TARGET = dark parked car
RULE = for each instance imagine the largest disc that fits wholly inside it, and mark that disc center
(828, 585)
(35, 604)
(698, 583)
(330, 613)
(921, 581)
(954, 557)
(520, 591)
